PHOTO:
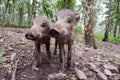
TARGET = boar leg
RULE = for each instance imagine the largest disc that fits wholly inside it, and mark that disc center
(56, 43)
(69, 55)
(61, 47)
(36, 56)
(47, 44)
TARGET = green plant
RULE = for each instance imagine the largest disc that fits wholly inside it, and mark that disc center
(114, 39)
(2, 59)
(1, 66)
(98, 36)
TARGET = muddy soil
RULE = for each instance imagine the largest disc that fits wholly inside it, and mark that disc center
(90, 61)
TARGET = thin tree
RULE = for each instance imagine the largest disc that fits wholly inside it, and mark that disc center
(116, 17)
(108, 22)
(21, 9)
(88, 28)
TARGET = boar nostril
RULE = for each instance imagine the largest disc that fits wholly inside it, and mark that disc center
(29, 36)
(26, 35)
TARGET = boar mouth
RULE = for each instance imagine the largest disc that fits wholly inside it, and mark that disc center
(54, 33)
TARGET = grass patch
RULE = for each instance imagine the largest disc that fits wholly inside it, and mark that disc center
(99, 36)
(118, 59)
(111, 38)
(1, 53)
(13, 24)
(2, 58)
(106, 56)
(29, 57)
(1, 66)
(114, 39)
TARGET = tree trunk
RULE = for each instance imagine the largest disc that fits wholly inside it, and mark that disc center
(115, 28)
(21, 15)
(5, 15)
(119, 32)
(13, 9)
(89, 36)
(6, 10)
(0, 10)
(116, 23)
(65, 6)
(106, 37)
(34, 8)
(29, 13)
(107, 29)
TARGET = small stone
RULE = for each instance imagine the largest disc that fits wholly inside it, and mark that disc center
(10, 49)
(92, 67)
(86, 48)
(73, 77)
(56, 76)
(1, 40)
(12, 56)
(99, 53)
(76, 63)
(6, 65)
(112, 68)
(33, 76)
(107, 72)
(24, 75)
(80, 74)
(3, 79)
(101, 75)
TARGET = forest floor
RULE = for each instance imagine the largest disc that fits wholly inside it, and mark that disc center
(92, 64)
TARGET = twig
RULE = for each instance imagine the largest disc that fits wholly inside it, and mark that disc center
(14, 70)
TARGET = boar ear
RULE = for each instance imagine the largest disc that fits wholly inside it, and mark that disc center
(77, 17)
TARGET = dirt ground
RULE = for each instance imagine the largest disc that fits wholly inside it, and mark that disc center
(96, 64)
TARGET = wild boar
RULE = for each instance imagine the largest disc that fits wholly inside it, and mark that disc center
(64, 33)
(39, 33)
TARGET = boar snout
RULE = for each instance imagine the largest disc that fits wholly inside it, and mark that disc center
(57, 32)
(30, 36)
(54, 33)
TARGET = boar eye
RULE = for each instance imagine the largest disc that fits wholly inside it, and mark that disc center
(69, 20)
(43, 25)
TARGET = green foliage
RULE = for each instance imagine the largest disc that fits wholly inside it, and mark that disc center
(77, 30)
(118, 59)
(69, 4)
(114, 39)
(106, 55)
(99, 36)
(111, 38)
(1, 53)
(60, 4)
(1, 66)
(2, 58)
(46, 9)
(4, 24)
(112, 18)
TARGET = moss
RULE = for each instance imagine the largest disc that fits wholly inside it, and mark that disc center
(1, 66)
(106, 55)
(118, 59)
